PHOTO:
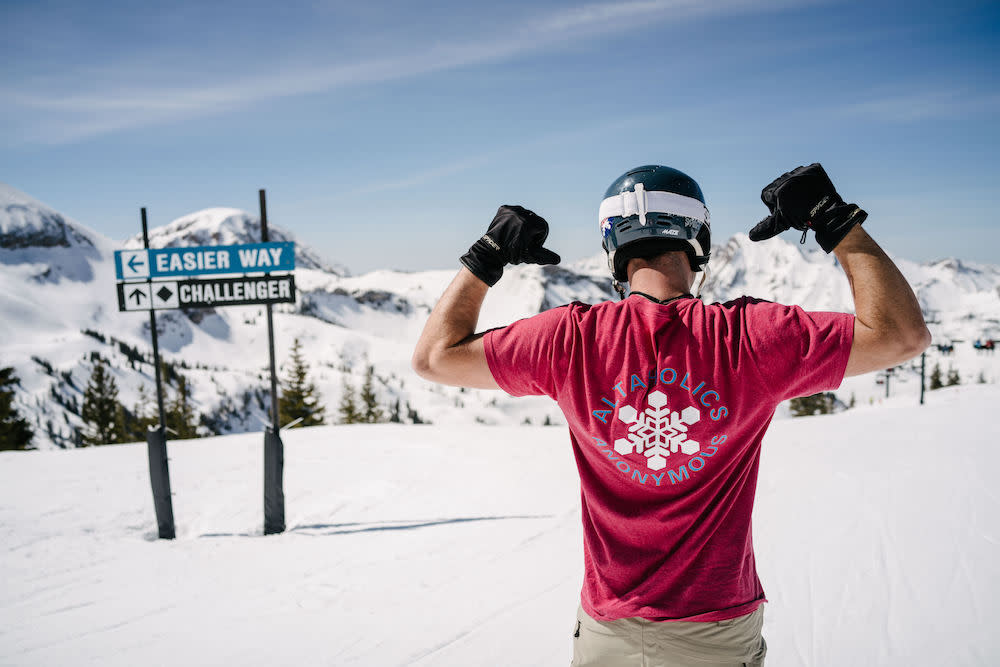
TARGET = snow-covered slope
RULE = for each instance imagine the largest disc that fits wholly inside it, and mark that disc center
(875, 530)
(58, 309)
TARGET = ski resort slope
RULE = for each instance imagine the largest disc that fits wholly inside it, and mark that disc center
(877, 534)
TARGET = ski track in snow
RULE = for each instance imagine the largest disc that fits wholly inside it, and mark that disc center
(443, 546)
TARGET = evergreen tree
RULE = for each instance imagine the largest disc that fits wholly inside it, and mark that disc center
(144, 414)
(817, 404)
(372, 412)
(15, 433)
(953, 377)
(299, 397)
(349, 413)
(179, 414)
(394, 414)
(413, 416)
(936, 382)
(101, 412)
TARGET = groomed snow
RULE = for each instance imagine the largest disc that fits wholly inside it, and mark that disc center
(877, 536)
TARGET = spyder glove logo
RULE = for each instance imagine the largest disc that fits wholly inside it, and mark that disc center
(656, 432)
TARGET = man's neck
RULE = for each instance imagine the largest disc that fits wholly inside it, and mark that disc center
(658, 285)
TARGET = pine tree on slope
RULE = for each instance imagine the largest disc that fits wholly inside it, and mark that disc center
(179, 414)
(101, 411)
(936, 382)
(15, 433)
(348, 408)
(816, 404)
(299, 396)
(144, 415)
(373, 413)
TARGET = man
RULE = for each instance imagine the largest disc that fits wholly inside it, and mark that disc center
(667, 399)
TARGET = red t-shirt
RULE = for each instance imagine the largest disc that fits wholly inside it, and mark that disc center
(666, 406)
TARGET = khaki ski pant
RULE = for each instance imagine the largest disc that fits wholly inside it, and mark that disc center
(636, 642)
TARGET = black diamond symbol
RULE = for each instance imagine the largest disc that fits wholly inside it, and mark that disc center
(164, 294)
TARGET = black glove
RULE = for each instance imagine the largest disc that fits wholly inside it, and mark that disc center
(516, 235)
(804, 198)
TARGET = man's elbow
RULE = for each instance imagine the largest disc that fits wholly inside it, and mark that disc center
(919, 340)
(911, 343)
(422, 364)
(878, 349)
(433, 365)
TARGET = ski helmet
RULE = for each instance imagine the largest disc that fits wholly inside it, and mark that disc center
(650, 210)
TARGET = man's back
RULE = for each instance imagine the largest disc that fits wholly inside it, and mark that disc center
(667, 405)
(636, 380)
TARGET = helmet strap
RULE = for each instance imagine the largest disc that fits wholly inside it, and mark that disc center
(619, 288)
(701, 283)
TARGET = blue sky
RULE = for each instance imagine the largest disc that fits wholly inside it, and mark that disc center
(387, 133)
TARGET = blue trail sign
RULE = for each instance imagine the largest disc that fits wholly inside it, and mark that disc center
(204, 260)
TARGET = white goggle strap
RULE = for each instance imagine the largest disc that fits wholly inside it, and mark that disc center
(640, 202)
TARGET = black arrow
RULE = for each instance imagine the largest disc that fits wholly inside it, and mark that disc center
(132, 262)
(137, 294)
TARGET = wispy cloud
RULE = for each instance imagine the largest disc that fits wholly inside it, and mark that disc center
(68, 115)
(530, 146)
(925, 104)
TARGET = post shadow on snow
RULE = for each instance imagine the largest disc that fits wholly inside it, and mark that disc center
(347, 528)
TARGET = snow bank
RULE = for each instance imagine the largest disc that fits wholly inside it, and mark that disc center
(876, 530)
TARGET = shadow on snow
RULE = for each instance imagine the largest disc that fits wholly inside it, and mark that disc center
(349, 528)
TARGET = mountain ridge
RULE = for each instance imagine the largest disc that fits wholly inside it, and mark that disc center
(59, 303)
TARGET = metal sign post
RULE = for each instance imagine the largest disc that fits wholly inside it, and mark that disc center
(274, 449)
(923, 366)
(156, 438)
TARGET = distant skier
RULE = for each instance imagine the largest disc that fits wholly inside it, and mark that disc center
(667, 398)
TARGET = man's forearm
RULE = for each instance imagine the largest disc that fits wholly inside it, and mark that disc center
(886, 307)
(456, 314)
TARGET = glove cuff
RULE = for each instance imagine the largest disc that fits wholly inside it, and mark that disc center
(484, 260)
(834, 224)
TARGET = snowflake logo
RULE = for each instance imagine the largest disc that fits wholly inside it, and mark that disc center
(656, 431)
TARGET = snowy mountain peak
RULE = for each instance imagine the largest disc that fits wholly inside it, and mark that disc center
(26, 222)
(43, 246)
(228, 226)
(777, 270)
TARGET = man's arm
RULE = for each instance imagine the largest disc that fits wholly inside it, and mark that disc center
(889, 327)
(449, 350)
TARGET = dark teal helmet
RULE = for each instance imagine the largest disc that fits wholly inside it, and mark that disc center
(650, 210)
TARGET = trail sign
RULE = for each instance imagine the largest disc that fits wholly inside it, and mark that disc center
(137, 270)
(206, 293)
(204, 260)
